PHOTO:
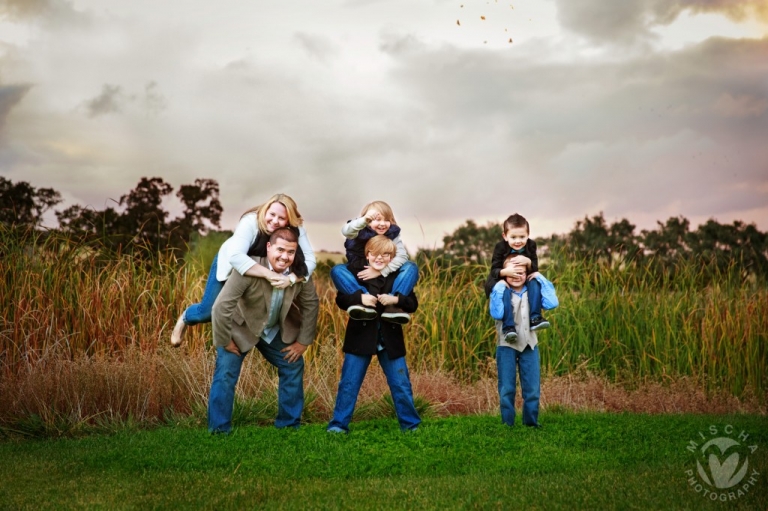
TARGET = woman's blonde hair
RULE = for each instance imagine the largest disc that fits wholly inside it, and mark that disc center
(294, 217)
(380, 244)
(383, 208)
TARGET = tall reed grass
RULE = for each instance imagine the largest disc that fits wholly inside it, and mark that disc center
(74, 321)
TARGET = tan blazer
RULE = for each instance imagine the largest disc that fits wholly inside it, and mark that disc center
(241, 311)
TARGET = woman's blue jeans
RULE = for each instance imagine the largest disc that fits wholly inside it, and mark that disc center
(352, 376)
(290, 388)
(534, 304)
(347, 283)
(201, 312)
(527, 361)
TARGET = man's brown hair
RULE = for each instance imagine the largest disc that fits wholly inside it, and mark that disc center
(283, 233)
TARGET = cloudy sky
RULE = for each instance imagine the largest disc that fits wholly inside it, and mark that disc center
(448, 110)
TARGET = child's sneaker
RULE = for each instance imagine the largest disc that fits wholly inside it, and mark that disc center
(509, 334)
(361, 313)
(395, 315)
(539, 323)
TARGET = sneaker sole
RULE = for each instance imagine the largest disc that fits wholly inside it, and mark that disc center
(400, 319)
(541, 326)
(362, 315)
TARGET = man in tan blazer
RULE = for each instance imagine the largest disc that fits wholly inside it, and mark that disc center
(280, 322)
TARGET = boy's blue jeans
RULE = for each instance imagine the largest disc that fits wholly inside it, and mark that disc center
(290, 388)
(534, 304)
(352, 376)
(201, 312)
(527, 362)
(346, 283)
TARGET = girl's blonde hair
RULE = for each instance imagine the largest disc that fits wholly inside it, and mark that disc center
(294, 217)
(383, 208)
(380, 244)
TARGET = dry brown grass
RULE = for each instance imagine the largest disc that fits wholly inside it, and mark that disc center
(144, 386)
(84, 341)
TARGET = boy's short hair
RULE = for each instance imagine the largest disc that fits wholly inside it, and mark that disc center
(380, 244)
(508, 259)
(383, 208)
(515, 221)
(283, 233)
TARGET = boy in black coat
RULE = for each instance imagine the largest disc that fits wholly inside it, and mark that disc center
(517, 243)
(368, 337)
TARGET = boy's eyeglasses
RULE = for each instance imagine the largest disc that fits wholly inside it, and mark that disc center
(383, 256)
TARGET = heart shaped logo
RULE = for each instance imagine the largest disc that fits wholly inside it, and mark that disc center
(723, 474)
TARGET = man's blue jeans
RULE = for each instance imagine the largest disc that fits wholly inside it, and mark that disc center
(346, 283)
(201, 312)
(352, 376)
(534, 304)
(290, 389)
(527, 361)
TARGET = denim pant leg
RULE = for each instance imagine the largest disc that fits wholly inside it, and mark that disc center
(344, 281)
(399, 383)
(530, 384)
(290, 386)
(505, 366)
(508, 320)
(201, 312)
(406, 278)
(222, 397)
(534, 297)
(352, 375)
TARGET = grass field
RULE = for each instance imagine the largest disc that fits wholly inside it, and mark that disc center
(576, 461)
(84, 340)
(98, 411)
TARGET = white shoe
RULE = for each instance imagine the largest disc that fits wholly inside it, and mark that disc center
(178, 332)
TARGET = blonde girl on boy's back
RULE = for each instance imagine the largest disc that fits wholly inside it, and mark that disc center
(376, 218)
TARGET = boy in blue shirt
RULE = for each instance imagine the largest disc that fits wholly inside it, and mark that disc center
(520, 352)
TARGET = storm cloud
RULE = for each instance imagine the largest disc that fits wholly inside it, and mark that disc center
(10, 95)
(588, 110)
(632, 20)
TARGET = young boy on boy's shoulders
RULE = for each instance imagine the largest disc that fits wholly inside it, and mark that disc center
(376, 219)
(519, 250)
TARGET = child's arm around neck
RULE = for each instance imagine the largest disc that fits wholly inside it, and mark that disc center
(401, 256)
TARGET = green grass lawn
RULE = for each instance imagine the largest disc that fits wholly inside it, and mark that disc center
(581, 461)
